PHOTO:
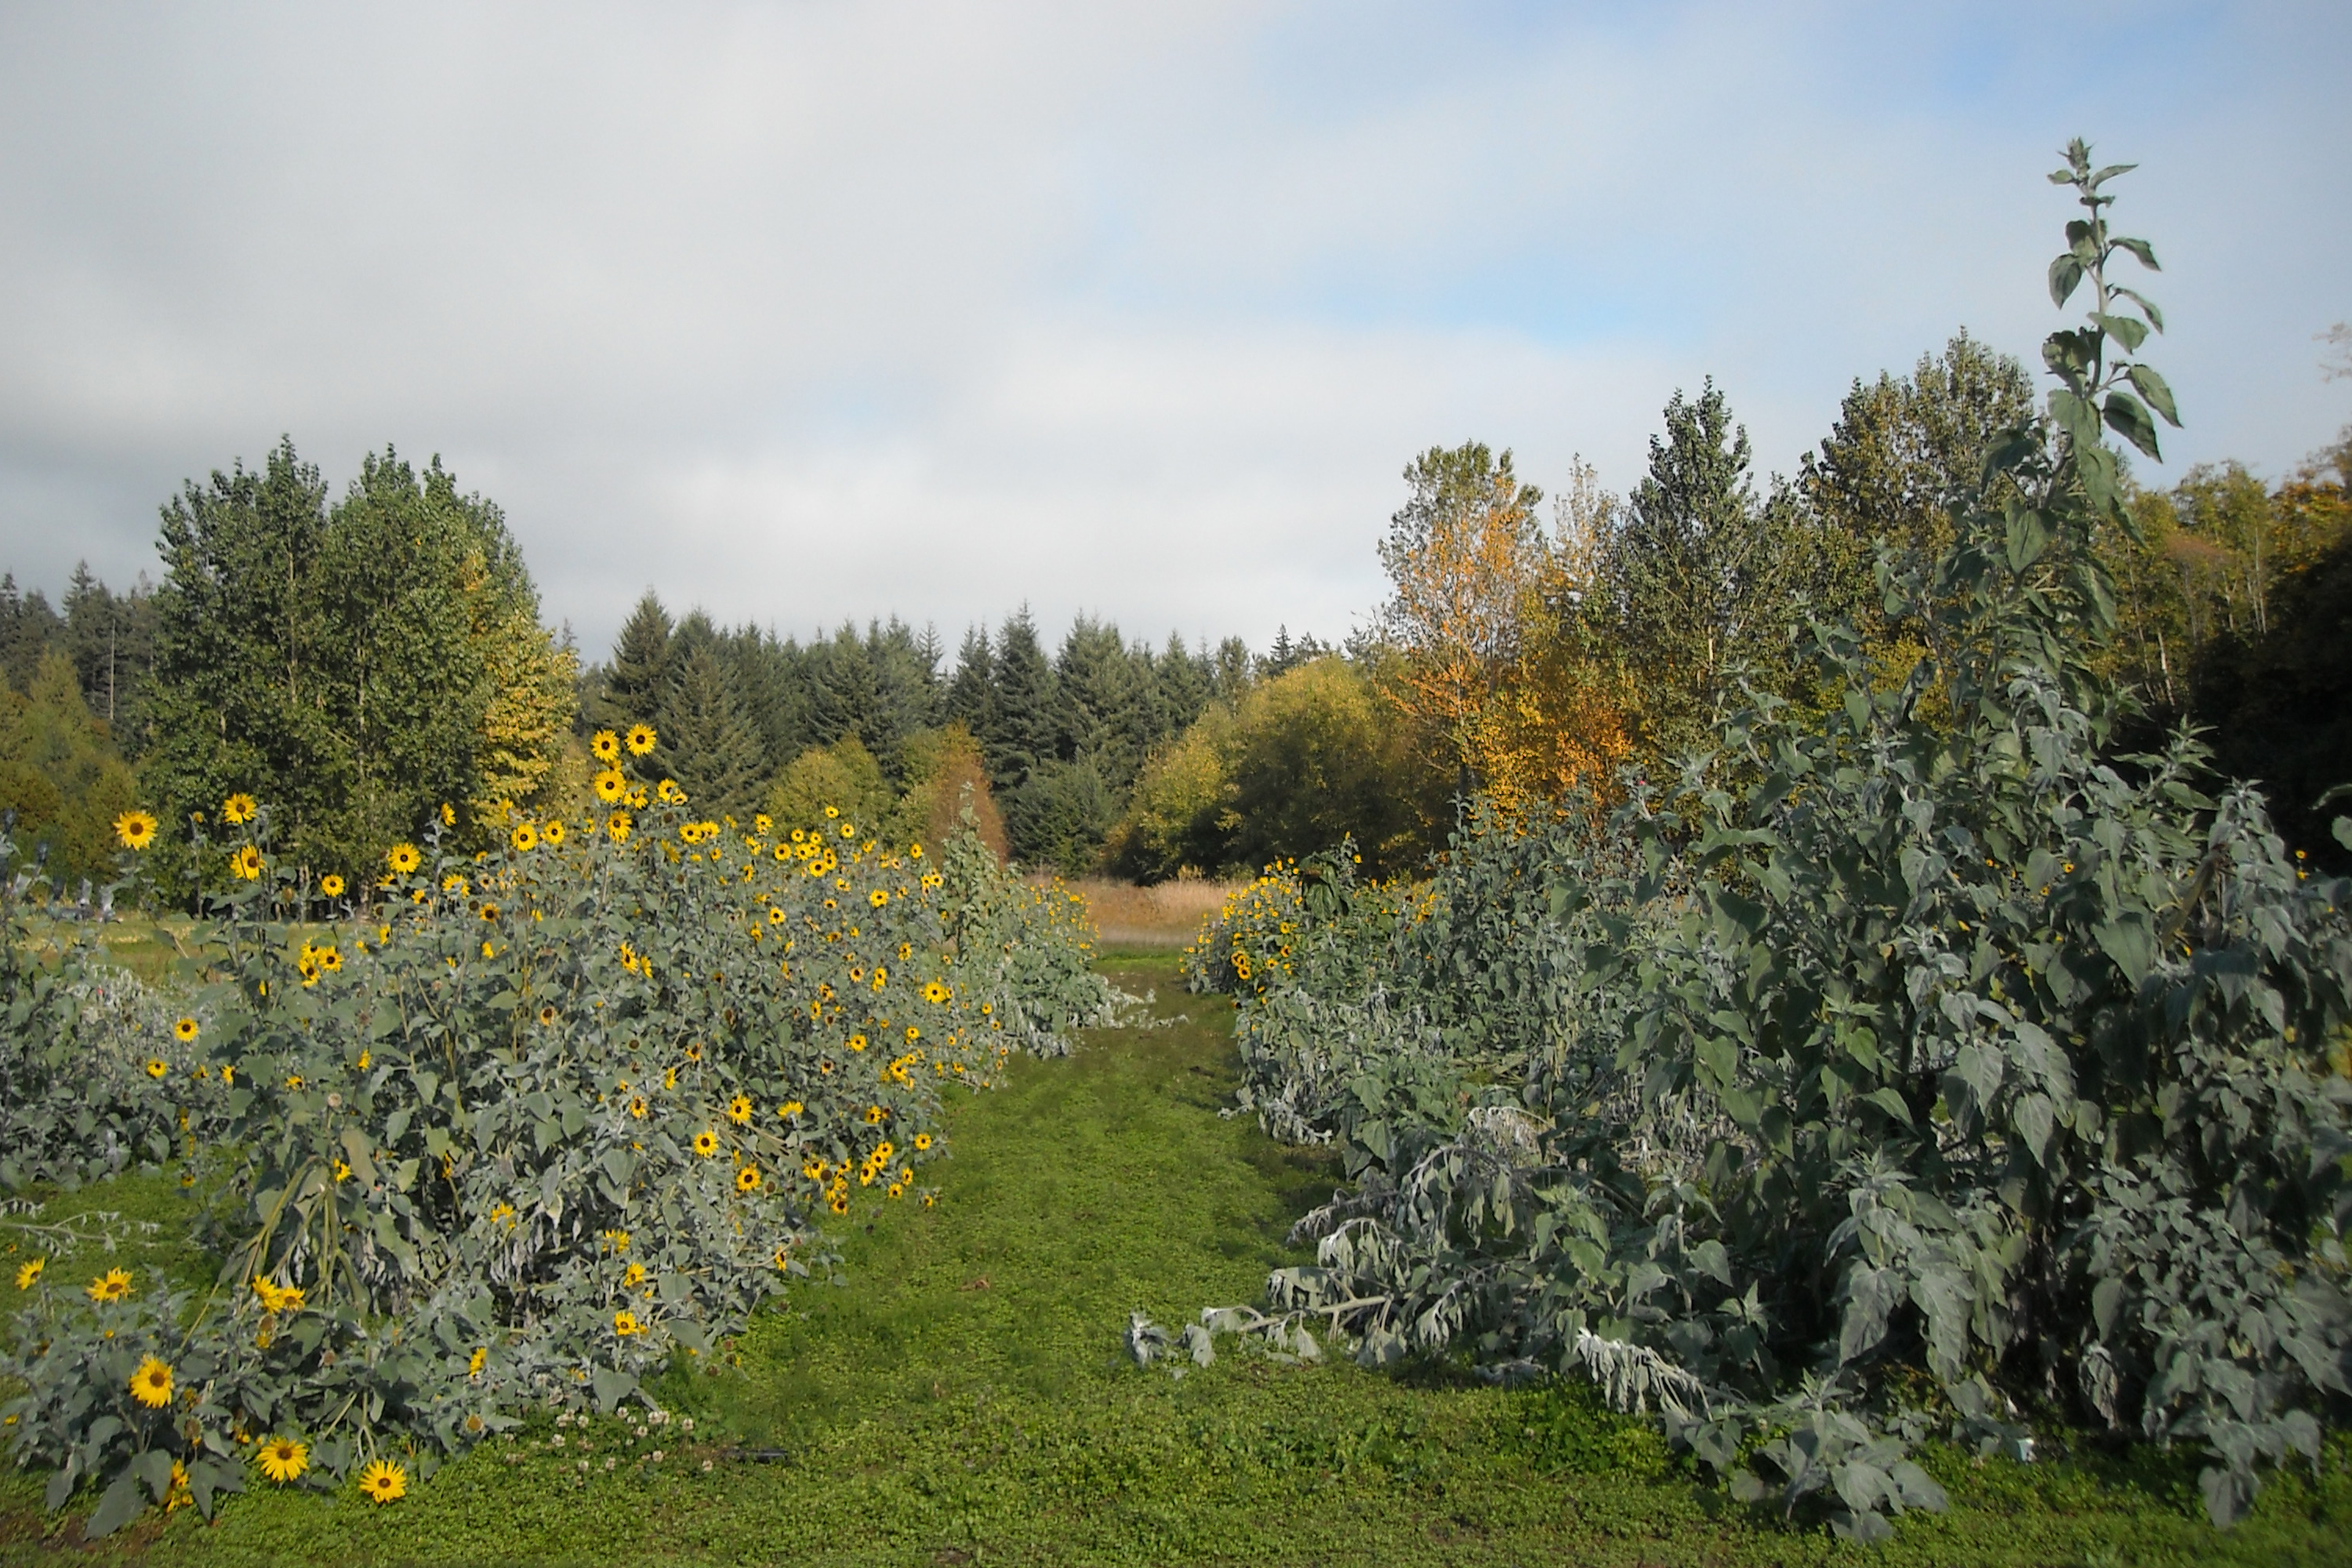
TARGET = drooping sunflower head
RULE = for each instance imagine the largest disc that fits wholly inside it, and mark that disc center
(604, 746)
(134, 829)
(641, 740)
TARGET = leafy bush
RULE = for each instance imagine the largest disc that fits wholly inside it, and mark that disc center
(1919, 1066)
(526, 1129)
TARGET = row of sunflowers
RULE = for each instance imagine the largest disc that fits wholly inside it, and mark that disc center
(505, 1130)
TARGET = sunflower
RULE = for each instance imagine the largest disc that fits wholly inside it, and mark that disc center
(402, 858)
(625, 1323)
(283, 1459)
(738, 1110)
(238, 808)
(184, 1030)
(28, 1272)
(848, 830)
(922, 1140)
(618, 827)
(524, 837)
(641, 739)
(897, 1191)
(246, 864)
(111, 1286)
(384, 1482)
(635, 1274)
(840, 1204)
(156, 1067)
(489, 911)
(475, 1362)
(604, 746)
(611, 787)
(877, 898)
(747, 1180)
(448, 815)
(134, 829)
(554, 833)
(668, 794)
(935, 992)
(329, 959)
(784, 1257)
(151, 1385)
(694, 1050)
(331, 885)
(454, 885)
(856, 1042)
(776, 916)
(706, 1143)
(874, 1114)
(637, 1107)
(788, 1109)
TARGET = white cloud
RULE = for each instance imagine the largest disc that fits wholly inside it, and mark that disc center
(813, 310)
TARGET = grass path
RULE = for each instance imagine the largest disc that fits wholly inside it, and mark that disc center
(963, 1397)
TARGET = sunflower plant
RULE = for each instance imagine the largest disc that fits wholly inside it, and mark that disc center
(532, 1124)
(1915, 1065)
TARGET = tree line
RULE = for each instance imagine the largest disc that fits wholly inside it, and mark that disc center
(359, 661)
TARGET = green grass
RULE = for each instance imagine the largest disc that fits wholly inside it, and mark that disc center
(962, 1397)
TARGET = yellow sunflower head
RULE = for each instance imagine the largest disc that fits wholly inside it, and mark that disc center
(524, 837)
(151, 1385)
(383, 1482)
(114, 1285)
(156, 1067)
(604, 746)
(134, 829)
(706, 1143)
(747, 1180)
(331, 885)
(246, 864)
(738, 1110)
(283, 1459)
(239, 808)
(617, 825)
(402, 858)
(625, 1323)
(610, 785)
(641, 740)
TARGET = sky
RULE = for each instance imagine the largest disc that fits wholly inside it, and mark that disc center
(803, 311)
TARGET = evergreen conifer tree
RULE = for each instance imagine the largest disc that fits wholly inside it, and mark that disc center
(1021, 727)
(708, 742)
(971, 695)
(639, 676)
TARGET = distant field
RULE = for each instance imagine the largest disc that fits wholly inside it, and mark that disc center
(1166, 915)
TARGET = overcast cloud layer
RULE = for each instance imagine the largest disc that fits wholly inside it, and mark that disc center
(804, 312)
